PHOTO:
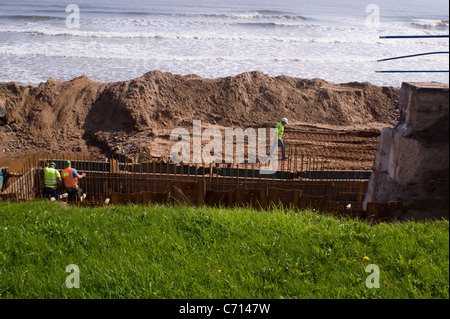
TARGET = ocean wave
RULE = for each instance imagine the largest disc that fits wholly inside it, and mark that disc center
(428, 24)
(174, 58)
(267, 25)
(31, 17)
(264, 15)
(190, 36)
(252, 15)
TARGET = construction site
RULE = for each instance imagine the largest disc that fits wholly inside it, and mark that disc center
(311, 178)
(122, 181)
(124, 148)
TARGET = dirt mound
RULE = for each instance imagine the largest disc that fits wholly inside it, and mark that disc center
(82, 115)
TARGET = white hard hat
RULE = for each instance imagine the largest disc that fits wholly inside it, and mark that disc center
(285, 120)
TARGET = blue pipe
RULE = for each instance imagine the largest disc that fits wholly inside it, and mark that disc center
(413, 36)
(413, 55)
(413, 71)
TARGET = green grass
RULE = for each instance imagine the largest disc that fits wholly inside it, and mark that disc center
(183, 252)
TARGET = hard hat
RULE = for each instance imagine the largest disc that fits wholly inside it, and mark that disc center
(52, 164)
(67, 162)
(285, 120)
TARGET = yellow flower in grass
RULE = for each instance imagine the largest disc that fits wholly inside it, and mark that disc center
(219, 270)
(366, 258)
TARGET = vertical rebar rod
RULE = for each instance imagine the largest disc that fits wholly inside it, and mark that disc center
(154, 174)
(253, 175)
(167, 173)
(245, 174)
(196, 171)
(237, 174)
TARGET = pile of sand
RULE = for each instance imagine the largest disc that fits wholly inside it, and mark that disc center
(81, 115)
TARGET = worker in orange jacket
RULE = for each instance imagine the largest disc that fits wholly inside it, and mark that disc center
(70, 177)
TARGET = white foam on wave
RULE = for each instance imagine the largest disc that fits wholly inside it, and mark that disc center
(430, 24)
(340, 36)
(118, 45)
(120, 53)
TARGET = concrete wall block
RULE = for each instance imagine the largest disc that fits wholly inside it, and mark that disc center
(435, 183)
(406, 159)
(382, 188)
(381, 162)
(422, 106)
(416, 155)
(420, 209)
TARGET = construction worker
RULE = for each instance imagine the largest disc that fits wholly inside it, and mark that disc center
(52, 178)
(3, 178)
(280, 131)
(71, 177)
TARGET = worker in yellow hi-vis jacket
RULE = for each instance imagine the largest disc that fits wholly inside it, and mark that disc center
(52, 178)
(280, 131)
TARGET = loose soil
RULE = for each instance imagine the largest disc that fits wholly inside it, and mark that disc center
(341, 122)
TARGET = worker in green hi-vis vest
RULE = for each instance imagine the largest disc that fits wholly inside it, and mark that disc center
(279, 136)
(51, 179)
(280, 131)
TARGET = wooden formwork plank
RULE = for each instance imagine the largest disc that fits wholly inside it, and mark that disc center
(138, 198)
(256, 198)
(12, 197)
(220, 198)
(287, 197)
(155, 197)
(380, 211)
(346, 209)
(186, 191)
(120, 198)
(272, 196)
(318, 203)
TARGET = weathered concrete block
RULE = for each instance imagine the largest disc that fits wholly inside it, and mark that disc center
(381, 162)
(411, 166)
(405, 158)
(419, 209)
(422, 105)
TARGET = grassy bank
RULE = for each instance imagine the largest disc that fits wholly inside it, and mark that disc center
(184, 252)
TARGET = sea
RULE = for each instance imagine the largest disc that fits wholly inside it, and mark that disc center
(118, 40)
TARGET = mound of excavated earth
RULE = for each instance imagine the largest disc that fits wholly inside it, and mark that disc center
(137, 115)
